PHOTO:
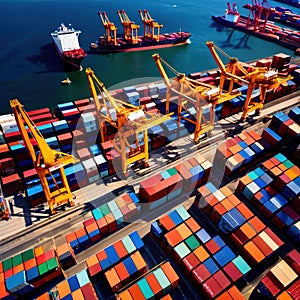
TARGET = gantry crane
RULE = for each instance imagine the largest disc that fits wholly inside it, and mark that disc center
(257, 10)
(45, 161)
(129, 27)
(254, 77)
(129, 122)
(110, 30)
(151, 27)
(193, 94)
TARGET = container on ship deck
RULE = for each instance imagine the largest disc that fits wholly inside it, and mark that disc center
(42, 118)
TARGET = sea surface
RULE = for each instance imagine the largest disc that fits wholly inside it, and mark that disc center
(31, 70)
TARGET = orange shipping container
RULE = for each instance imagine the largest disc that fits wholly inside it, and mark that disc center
(201, 253)
(154, 285)
(91, 261)
(63, 289)
(125, 295)
(253, 254)
(171, 274)
(70, 237)
(173, 237)
(38, 251)
(136, 292)
(139, 262)
(257, 224)
(184, 231)
(166, 223)
(45, 296)
(28, 264)
(77, 295)
(113, 279)
(18, 268)
(192, 224)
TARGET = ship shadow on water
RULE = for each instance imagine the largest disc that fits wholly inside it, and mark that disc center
(49, 58)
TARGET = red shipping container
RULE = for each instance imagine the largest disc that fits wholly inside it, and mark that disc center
(211, 288)
(136, 292)
(272, 284)
(216, 213)
(222, 280)
(150, 189)
(122, 273)
(81, 102)
(38, 111)
(89, 222)
(89, 292)
(154, 285)
(189, 263)
(212, 246)
(41, 259)
(274, 237)
(120, 249)
(232, 272)
(262, 245)
(293, 259)
(166, 223)
(199, 275)
(94, 270)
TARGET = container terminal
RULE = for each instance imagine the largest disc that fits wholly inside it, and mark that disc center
(204, 205)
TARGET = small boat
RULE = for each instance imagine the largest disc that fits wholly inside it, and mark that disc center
(66, 81)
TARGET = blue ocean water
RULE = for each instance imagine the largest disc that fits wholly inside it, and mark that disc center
(31, 70)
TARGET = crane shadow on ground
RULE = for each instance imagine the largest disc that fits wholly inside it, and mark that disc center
(20, 207)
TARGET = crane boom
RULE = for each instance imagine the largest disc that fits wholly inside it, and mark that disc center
(130, 28)
(130, 120)
(110, 29)
(151, 27)
(193, 95)
(46, 161)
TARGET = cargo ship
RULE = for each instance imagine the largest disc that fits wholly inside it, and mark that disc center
(206, 241)
(260, 28)
(66, 42)
(130, 41)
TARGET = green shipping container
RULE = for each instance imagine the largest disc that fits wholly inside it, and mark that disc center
(128, 244)
(162, 280)
(52, 264)
(183, 213)
(172, 171)
(17, 260)
(241, 265)
(7, 264)
(146, 289)
(43, 268)
(288, 164)
(28, 254)
(192, 242)
(104, 209)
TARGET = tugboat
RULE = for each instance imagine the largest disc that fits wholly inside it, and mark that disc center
(67, 45)
(130, 41)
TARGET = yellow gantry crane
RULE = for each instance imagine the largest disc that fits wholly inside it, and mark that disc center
(127, 119)
(254, 77)
(129, 27)
(193, 94)
(46, 161)
(151, 27)
(110, 30)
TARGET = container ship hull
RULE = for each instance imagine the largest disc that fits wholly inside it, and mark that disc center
(166, 40)
(278, 36)
(67, 45)
(71, 61)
